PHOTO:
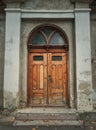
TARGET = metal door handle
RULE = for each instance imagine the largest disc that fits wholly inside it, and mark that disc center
(49, 78)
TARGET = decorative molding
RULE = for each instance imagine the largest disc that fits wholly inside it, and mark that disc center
(47, 14)
(44, 14)
(12, 9)
(82, 9)
(52, 14)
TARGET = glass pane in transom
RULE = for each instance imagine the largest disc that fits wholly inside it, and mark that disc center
(57, 39)
(47, 31)
(38, 39)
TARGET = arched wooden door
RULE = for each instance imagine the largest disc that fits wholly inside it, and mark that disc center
(47, 68)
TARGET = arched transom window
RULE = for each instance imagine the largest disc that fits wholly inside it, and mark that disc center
(47, 36)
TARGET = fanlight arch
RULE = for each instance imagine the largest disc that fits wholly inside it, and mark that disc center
(47, 36)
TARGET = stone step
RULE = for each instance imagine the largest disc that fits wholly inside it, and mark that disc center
(46, 110)
(46, 116)
(47, 119)
(48, 123)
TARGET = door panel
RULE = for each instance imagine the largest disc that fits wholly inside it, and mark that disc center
(38, 79)
(58, 78)
(47, 82)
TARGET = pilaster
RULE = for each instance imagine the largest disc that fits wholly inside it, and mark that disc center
(83, 60)
(11, 66)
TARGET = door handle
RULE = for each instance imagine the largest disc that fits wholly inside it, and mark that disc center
(49, 78)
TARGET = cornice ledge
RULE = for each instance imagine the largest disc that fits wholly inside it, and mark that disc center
(82, 9)
(13, 1)
(12, 9)
(81, 1)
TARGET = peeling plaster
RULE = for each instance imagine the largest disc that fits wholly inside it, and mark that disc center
(84, 86)
(85, 102)
(10, 101)
(86, 73)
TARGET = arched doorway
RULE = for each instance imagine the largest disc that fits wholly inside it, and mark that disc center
(47, 67)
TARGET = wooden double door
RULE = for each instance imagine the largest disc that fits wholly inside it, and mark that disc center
(47, 79)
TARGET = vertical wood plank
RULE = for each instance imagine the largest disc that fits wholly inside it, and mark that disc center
(34, 72)
(38, 76)
(45, 77)
(53, 76)
(49, 74)
(60, 79)
(41, 76)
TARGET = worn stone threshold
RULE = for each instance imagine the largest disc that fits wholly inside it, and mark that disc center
(46, 110)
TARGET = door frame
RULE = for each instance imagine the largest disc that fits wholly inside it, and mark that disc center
(28, 87)
(52, 49)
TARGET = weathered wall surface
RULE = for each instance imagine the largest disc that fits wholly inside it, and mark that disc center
(26, 28)
(2, 43)
(93, 46)
(48, 4)
(67, 26)
(11, 60)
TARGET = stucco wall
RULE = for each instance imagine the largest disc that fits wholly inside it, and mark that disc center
(48, 4)
(93, 46)
(2, 36)
(26, 28)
